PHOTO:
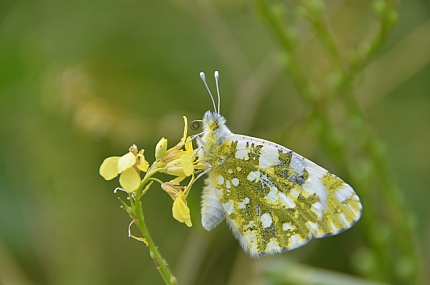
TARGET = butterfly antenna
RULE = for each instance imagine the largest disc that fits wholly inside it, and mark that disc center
(216, 74)
(203, 77)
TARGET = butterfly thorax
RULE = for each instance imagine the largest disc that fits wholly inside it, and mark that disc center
(215, 132)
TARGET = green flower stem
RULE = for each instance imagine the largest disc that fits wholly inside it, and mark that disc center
(159, 261)
(135, 212)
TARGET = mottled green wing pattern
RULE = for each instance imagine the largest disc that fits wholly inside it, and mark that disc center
(342, 207)
(274, 199)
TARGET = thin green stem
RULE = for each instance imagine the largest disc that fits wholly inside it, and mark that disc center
(156, 180)
(135, 212)
(155, 254)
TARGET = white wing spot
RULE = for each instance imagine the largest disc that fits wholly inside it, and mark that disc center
(312, 226)
(242, 204)
(227, 184)
(295, 239)
(254, 176)
(228, 207)
(334, 228)
(251, 238)
(294, 193)
(288, 226)
(344, 193)
(273, 194)
(242, 154)
(220, 179)
(230, 171)
(288, 202)
(318, 208)
(235, 181)
(273, 244)
(268, 157)
(343, 218)
(266, 220)
(296, 163)
(354, 211)
(238, 168)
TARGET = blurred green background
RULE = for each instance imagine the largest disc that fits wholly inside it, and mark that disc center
(83, 80)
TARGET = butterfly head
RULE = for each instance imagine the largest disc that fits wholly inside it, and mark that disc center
(213, 122)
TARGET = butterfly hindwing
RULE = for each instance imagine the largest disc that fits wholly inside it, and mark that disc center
(259, 187)
(342, 207)
(274, 199)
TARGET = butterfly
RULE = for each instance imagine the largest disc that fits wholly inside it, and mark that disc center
(273, 199)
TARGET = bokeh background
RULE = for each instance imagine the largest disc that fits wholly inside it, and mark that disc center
(83, 80)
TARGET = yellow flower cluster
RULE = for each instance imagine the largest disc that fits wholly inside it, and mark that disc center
(178, 161)
(127, 166)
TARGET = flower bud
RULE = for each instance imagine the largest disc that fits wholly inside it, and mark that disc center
(161, 148)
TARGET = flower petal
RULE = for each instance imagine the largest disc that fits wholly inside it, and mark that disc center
(126, 161)
(185, 128)
(129, 180)
(174, 168)
(189, 146)
(109, 168)
(187, 164)
(177, 180)
(180, 210)
(143, 164)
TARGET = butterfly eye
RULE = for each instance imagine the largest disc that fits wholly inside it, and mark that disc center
(196, 124)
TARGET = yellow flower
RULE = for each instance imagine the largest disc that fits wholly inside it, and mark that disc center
(180, 210)
(178, 160)
(128, 166)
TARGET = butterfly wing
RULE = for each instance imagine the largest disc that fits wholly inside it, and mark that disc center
(342, 206)
(274, 199)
